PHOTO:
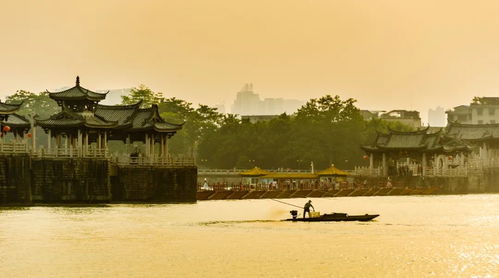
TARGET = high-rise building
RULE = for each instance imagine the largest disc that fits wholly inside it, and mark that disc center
(436, 117)
(249, 103)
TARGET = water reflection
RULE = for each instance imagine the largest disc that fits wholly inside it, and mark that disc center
(443, 236)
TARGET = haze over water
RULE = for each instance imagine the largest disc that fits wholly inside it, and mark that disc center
(430, 236)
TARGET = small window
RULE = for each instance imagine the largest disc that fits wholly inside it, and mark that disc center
(492, 111)
(492, 121)
(480, 122)
(479, 111)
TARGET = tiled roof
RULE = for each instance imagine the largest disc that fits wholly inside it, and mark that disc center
(148, 118)
(77, 93)
(98, 122)
(62, 119)
(6, 108)
(129, 118)
(471, 132)
(417, 140)
(15, 120)
(123, 114)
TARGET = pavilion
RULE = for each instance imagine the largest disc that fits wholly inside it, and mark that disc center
(84, 127)
(484, 138)
(12, 122)
(411, 153)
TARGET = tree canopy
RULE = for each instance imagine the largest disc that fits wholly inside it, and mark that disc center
(144, 94)
(34, 104)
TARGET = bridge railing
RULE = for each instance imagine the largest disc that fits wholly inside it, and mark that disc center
(14, 147)
(168, 161)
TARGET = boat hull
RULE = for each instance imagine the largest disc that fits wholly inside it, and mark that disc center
(336, 217)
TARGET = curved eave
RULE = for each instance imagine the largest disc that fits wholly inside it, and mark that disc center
(100, 126)
(50, 125)
(27, 125)
(86, 95)
(166, 130)
(369, 148)
(76, 98)
(6, 109)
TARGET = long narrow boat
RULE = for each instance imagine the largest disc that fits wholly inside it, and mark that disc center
(334, 217)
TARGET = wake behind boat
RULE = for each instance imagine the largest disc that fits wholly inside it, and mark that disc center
(317, 217)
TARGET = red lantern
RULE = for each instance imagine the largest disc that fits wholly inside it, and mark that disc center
(6, 128)
(365, 157)
(29, 135)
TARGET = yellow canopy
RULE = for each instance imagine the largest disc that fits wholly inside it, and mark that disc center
(255, 172)
(332, 171)
(290, 176)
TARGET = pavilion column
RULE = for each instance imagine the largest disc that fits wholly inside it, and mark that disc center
(423, 165)
(99, 141)
(86, 143)
(105, 139)
(153, 147)
(147, 145)
(161, 145)
(79, 142)
(66, 144)
(33, 138)
(49, 147)
(383, 163)
(166, 145)
(57, 144)
(371, 163)
(128, 142)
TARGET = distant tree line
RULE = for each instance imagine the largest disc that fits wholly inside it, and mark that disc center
(325, 131)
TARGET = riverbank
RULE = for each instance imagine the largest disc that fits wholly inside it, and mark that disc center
(315, 193)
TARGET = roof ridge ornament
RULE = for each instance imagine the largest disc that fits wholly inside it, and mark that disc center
(78, 81)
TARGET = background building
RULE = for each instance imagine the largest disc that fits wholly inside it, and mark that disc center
(437, 117)
(483, 110)
(247, 102)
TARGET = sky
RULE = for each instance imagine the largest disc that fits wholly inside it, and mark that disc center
(387, 54)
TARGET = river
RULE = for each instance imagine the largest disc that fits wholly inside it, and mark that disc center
(415, 236)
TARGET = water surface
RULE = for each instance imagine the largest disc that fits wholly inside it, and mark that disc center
(415, 236)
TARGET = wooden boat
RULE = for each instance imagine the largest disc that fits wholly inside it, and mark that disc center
(332, 217)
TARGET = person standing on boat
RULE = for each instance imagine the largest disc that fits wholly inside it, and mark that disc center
(307, 207)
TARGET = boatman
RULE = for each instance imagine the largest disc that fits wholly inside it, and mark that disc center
(307, 207)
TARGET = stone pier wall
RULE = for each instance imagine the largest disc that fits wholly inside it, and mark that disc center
(154, 184)
(24, 179)
(483, 182)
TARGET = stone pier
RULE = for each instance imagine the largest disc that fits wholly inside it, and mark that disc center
(25, 180)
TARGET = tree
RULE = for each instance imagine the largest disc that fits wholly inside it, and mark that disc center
(144, 94)
(198, 121)
(34, 104)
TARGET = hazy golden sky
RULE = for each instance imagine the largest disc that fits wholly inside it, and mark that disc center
(387, 54)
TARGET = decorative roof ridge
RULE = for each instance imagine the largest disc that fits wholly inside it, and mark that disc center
(66, 114)
(104, 120)
(59, 116)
